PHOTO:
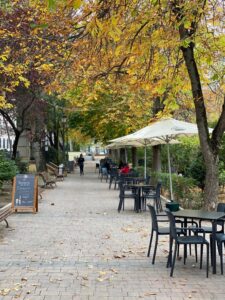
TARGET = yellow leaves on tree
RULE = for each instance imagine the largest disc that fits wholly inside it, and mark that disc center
(33, 46)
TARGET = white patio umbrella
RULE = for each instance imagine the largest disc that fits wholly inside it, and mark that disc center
(165, 130)
(124, 144)
(131, 140)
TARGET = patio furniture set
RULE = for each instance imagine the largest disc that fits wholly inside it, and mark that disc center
(185, 227)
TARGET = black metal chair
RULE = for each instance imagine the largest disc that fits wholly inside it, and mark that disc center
(153, 194)
(157, 230)
(220, 229)
(114, 177)
(208, 229)
(126, 192)
(220, 238)
(185, 240)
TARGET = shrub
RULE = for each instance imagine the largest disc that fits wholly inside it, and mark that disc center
(197, 170)
(185, 190)
(8, 168)
(22, 166)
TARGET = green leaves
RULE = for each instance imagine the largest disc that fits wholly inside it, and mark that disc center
(51, 4)
(77, 4)
(41, 26)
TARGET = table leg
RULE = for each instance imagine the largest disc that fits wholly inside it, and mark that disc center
(139, 199)
(213, 247)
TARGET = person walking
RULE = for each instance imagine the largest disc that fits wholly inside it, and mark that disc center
(81, 164)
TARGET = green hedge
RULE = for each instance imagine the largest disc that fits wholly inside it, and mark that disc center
(185, 190)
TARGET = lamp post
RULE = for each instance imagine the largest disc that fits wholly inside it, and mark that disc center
(64, 119)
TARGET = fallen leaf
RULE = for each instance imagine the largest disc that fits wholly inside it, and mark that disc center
(52, 203)
(23, 279)
(127, 229)
(144, 235)
(107, 236)
(149, 294)
(35, 284)
(114, 271)
(85, 277)
(101, 279)
(119, 256)
(127, 251)
(4, 292)
(102, 273)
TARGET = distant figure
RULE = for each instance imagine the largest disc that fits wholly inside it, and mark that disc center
(125, 169)
(81, 164)
(107, 165)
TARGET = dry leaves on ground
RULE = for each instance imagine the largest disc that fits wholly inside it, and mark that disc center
(128, 229)
(5, 292)
(107, 236)
(149, 294)
(119, 256)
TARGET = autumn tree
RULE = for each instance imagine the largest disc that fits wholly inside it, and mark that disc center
(170, 50)
(32, 52)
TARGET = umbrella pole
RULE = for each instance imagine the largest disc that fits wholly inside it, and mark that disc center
(126, 155)
(145, 161)
(170, 173)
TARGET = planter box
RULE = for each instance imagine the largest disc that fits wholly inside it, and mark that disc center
(173, 206)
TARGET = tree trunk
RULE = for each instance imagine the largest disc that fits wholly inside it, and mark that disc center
(15, 144)
(209, 147)
(156, 158)
(38, 154)
(134, 156)
(211, 182)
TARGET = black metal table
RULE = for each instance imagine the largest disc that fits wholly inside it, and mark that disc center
(212, 216)
(138, 190)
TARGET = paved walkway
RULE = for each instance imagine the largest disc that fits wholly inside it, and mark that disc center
(79, 247)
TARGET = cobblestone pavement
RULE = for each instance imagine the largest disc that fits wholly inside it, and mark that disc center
(79, 247)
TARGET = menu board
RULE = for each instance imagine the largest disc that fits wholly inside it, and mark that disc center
(25, 194)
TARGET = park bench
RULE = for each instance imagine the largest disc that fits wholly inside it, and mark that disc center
(5, 211)
(54, 171)
(47, 180)
(57, 168)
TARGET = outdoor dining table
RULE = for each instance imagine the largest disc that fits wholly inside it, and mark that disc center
(138, 187)
(212, 216)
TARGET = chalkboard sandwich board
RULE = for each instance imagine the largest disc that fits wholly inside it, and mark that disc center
(25, 193)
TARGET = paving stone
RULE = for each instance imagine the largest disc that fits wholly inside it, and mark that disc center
(82, 248)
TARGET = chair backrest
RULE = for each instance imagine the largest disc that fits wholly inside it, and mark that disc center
(154, 217)
(173, 231)
(113, 171)
(221, 207)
